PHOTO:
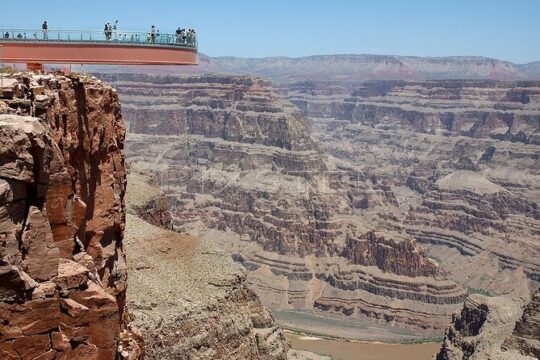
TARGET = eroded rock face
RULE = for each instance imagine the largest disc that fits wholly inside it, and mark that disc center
(460, 158)
(190, 299)
(214, 117)
(470, 108)
(526, 335)
(62, 294)
(402, 258)
(263, 191)
(480, 329)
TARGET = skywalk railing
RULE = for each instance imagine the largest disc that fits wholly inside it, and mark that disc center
(90, 36)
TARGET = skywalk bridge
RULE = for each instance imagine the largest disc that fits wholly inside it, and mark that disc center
(35, 48)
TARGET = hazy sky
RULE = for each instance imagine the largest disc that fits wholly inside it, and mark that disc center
(504, 29)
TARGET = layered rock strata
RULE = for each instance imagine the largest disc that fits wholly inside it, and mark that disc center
(480, 329)
(62, 181)
(460, 159)
(240, 168)
(471, 108)
(190, 299)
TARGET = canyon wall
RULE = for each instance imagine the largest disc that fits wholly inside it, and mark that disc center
(190, 300)
(62, 182)
(240, 169)
(461, 158)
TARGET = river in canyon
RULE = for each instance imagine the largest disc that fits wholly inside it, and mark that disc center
(327, 326)
(348, 350)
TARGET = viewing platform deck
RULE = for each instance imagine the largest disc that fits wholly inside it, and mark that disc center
(34, 47)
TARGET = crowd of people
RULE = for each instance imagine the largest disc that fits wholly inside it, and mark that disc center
(186, 37)
(182, 36)
(108, 31)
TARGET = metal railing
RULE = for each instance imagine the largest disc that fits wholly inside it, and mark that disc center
(92, 36)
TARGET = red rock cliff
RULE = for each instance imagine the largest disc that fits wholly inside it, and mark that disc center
(62, 183)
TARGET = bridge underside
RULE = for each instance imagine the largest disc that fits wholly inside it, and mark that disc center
(83, 53)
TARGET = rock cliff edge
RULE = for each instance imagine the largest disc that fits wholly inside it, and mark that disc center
(63, 267)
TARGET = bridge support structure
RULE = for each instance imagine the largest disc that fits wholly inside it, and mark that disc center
(37, 67)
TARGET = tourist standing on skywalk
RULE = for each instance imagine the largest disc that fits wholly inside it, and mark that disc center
(153, 34)
(45, 29)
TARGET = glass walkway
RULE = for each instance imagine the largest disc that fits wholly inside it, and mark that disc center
(88, 36)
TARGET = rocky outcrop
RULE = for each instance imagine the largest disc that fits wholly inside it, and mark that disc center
(240, 169)
(190, 299)
(526, 335)
(62, 182)
(147, 201)
(401, 258)
(478, 332)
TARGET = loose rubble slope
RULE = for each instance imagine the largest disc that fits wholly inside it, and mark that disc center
(190, 299)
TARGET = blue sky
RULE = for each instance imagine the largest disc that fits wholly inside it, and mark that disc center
(503, 29)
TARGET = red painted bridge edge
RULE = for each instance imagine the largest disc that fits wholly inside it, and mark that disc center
(98, 53)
